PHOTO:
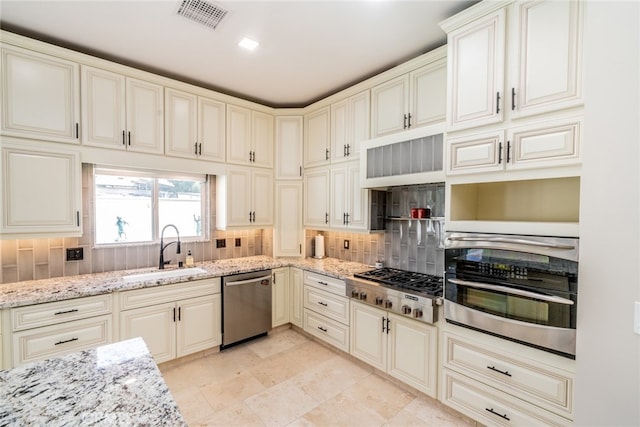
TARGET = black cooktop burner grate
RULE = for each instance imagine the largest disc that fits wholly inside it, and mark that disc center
(401, 279)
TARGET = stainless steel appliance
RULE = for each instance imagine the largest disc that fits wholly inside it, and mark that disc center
(246, 306)
(402, 292)
(523, 288)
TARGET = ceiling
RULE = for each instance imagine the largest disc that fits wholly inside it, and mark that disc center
(308, 49)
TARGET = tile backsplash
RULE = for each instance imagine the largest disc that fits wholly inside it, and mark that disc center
(32, 259)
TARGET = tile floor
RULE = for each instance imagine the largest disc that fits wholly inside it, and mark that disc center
(287, 379)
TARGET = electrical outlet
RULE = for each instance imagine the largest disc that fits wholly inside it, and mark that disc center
(238, 242)
(221, 243)
(75, 254)
(346, 244)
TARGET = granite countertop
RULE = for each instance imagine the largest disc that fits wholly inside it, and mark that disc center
(115, 384)
(64, 288)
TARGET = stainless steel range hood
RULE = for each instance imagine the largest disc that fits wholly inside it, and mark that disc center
(414, 156)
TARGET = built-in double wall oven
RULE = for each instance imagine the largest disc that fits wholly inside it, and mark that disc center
(522, 288)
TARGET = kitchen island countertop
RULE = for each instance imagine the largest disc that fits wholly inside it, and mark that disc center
(115, 384)
(69, 287)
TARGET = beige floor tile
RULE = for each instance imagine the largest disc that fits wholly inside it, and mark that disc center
(309, 354)
(275, 370)
(242, 356)
(406, 419)
(281, 404)
(270, 345)
(342, 411)
(193, 406)
(435, 414)
(226, 393)
(238, 414)
(379, 396)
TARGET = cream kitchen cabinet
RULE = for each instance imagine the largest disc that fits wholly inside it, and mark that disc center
(40, 96)
(194, 126)
(317, 138)
(349, 126)
(174, 320)
(549, 143)
(406, 349)
(544, 61)
(348, 201)
(41, 190)
(289, 136)
(52, 329)
(316, 197)
(280, 293)
(411, 100)
(296, 308)
(244, 198)
(250, 137)
(121, 112)
(289, 230)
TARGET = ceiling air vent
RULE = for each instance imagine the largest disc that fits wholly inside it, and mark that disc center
(202, 12)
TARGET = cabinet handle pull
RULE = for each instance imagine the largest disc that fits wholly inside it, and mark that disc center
(195, 148)
(324, 304)
(409, 121)
(322, 329)
(348, 150)
(254, 157)
(179, 313)
(497, 102)
(200, 149)
(323, 283)
(326, 218)
(66, 341)
(78, 218)
(513, 99)
(124, 140)
(500, 153)
(383, 329)
(508, 151)
(347, 220)
(73, 310)
(300, 248)
(344, 218)
(388, 329)
(344, 151)
(496, 413)
(300, 170)
(326, 154)
(249, 216)
(77, 130)
(405, 122)
(493, 368)
(129, 137)
(174, 314)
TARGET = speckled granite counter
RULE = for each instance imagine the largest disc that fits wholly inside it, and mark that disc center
(116, 384)
(63, 288)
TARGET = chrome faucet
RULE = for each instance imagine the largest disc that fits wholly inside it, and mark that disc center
(163, 246)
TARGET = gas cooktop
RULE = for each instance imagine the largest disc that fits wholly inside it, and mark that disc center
(405, 280)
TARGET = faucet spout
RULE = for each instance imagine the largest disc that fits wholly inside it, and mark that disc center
(163, 246)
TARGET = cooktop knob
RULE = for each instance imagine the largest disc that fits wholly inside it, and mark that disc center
(387, 303)
(363, 295)
(406, 309)
(417, 312)
(378, 300)
(354, 293)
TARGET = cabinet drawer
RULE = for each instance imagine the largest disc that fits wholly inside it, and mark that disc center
(168, 293)
(328, 330)
(327, 304)
(326, 283)
(492, 407)
(55, 340)
(537, 383)
(34, 316)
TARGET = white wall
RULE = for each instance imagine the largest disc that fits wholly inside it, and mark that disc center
(608, 352)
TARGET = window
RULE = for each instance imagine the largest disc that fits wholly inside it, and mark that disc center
(134, 206)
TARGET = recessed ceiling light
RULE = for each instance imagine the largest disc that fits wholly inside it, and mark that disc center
(248, 44)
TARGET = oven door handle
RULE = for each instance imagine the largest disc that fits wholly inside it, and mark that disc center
(514, 241)
(508, 290)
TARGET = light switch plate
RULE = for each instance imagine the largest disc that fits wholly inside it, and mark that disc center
(636, 318)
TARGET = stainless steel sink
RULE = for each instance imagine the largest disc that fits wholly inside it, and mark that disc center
(166, 274)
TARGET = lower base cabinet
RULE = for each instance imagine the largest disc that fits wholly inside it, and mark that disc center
(405, 349)
(280, 297)
(295, 297)
(172, 326)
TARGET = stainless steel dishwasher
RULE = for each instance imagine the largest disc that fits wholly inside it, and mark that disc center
(246, 306)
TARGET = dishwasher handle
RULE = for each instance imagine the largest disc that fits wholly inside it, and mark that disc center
(244, 282)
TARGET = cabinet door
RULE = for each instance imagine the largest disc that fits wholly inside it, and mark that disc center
(238, 135)
(476, 72)
(180, 123)
(413, 353)
(262, 196)
(198, 324)
(476, 153)
(211, 130)
(359, 123)
(103, 108)
(40, 96)
(339, 130)
(145, 117)
(280, 297)
(429, 94)
(288, 233)
(262, 138)
(317, 138)
(546, 56)
(339, 193)
(357, 200)
(316, 198)
(41, 191)
(368, 336)
(156, 325)
(238, 200)
(389, 106)
(289, 147)
(295, 297)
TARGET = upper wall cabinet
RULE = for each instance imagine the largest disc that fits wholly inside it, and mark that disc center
(544, 61)
(40, 96)
(250, 137)
(349, 126)
(289, 147)
(414, 99)
(194, 126)
(317, 138)
(121, 112)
